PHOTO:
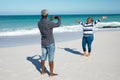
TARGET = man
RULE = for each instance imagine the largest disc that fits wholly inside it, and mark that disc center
(47, 40)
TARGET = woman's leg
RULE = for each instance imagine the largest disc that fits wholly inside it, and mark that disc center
(89, 43)
(84, 42)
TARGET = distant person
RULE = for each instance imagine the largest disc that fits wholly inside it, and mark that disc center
(47, 40)
(88, 34)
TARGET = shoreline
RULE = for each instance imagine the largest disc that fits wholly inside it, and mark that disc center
(14, 41)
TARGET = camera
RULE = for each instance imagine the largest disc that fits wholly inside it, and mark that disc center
(56, 17)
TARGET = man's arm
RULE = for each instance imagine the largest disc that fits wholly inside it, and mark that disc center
(53, 25)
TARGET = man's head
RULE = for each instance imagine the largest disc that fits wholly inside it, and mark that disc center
(44, 13)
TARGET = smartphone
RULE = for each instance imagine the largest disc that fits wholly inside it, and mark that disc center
(56, 17)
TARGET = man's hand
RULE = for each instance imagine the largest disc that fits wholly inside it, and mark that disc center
(52, 18)
(59, 18)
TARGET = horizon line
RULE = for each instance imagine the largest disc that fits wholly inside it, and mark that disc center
(63, 14)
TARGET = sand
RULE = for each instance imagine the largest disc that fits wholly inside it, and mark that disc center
(23, 62)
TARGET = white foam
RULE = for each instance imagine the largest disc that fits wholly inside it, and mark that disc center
(101, 24)
(19, 32)
(73, 28)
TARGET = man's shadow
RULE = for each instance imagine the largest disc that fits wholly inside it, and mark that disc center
(73, 51)
(35, 61)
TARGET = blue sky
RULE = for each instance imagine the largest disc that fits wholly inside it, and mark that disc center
(60, 6)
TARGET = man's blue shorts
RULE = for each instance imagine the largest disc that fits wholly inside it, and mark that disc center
(48, 50)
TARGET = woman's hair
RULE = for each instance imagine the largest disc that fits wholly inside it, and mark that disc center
(90, 18)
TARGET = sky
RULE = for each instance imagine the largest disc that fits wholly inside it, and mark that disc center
(12, 7)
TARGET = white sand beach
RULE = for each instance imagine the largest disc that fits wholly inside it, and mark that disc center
(18, 63)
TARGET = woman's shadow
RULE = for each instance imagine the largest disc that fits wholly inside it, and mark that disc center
(35, 60)
(73, 51)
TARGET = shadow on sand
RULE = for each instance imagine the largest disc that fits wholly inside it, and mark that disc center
(73, 51)
(35, 60)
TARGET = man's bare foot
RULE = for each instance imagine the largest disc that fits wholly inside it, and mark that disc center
(53, 74)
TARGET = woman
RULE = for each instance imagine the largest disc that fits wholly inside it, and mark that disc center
(88, 34)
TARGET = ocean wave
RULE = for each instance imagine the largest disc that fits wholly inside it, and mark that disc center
(72, 28)
(34, 31)
(19, 32)
(102, 24)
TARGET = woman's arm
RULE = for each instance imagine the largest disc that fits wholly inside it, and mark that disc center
(104, 17)
(79, 22)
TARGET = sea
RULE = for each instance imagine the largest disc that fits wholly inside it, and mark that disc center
(18, 25)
